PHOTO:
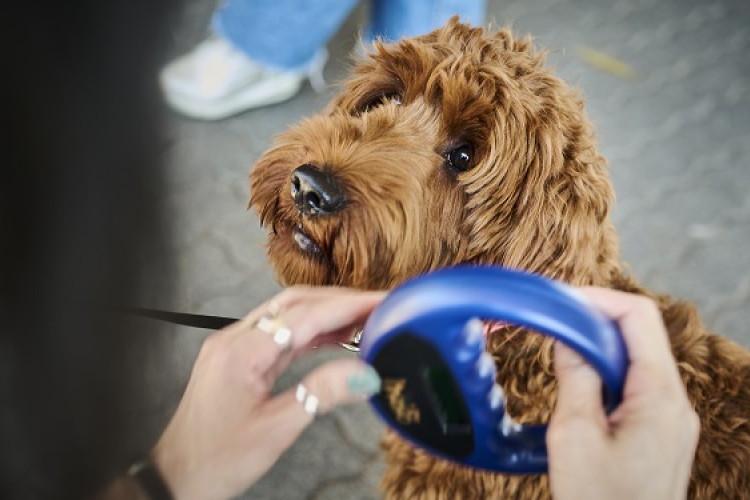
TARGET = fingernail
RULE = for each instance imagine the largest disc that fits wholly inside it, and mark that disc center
(364, 383)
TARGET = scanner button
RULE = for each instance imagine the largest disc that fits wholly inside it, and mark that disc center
(496, 397)
(474, 331)
(486, 366)
(469, 344)
(509, 426)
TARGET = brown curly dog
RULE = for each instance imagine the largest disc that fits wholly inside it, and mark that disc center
(460, 146)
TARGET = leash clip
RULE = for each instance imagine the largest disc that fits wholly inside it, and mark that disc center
(353, 344)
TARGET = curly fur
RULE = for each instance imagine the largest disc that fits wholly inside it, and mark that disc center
(537, 197)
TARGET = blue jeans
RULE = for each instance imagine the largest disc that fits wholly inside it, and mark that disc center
(287, 34)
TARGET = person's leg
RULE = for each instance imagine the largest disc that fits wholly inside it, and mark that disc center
(395, 19)
(281, 34)
(263, 52)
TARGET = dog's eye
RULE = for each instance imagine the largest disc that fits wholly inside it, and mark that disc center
(379, 100)
(461, 158)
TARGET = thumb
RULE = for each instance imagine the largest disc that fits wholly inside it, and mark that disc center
(579, 387)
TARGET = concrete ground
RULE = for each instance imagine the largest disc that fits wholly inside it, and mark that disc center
(677, 137)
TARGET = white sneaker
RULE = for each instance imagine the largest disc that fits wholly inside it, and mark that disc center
(216, 80)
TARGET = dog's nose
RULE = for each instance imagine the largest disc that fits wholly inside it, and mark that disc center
(316, 191)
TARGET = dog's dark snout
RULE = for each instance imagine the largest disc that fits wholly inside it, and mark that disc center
(316, 191)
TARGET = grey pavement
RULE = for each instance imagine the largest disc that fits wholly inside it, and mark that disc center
(678, 141)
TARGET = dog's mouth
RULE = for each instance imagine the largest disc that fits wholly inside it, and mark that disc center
(293, 235)
(306, 244)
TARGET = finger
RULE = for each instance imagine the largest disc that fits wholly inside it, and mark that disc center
(643, 330)
(362, 302)
(330, 316)
(261, 351)
(241, 326)
(308, 314)
(333, 384)
(340, 382)
(300, 293)
(271, 306)
(579, 388)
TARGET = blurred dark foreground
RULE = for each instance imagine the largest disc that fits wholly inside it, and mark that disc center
(80, 185)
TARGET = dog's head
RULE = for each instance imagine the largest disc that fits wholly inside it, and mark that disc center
(457, 146)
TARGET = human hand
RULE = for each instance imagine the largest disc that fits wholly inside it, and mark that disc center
(645, 448)
(227, 431)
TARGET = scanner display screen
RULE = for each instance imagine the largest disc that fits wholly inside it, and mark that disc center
(444, 397)
(421, 396)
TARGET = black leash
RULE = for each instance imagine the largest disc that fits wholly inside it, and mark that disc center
(208, 322)
(178, 318)
(205, 321)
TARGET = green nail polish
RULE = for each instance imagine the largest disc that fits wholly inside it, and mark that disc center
(364, 383)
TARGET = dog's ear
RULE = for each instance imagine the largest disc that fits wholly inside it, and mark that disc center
(552, 196)
(572, 195)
